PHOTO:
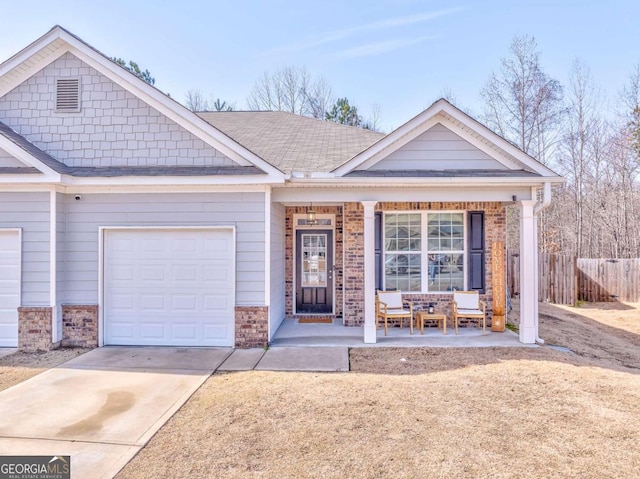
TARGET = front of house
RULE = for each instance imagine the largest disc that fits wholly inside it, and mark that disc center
(126, 219)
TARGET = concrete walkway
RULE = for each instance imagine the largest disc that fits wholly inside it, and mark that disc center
(101, 408)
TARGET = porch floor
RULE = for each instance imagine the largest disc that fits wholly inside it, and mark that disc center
(292, 333)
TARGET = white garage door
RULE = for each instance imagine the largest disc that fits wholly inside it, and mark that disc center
(9, 287)
(169, 287)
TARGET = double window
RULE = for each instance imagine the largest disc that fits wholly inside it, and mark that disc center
(424, 251)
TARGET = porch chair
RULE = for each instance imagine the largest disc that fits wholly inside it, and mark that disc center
(467, 304)
(389, 305)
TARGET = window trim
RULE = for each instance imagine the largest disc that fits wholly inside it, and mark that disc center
(424, 250)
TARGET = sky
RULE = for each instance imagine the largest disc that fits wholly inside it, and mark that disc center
(400, 55)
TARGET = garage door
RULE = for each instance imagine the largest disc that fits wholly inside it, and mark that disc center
(169, 287)
(9, 287)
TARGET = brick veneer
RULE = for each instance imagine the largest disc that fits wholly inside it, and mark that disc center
(34, 329)
(290, 260)
(80, 325)
(495, 230)
(252, 326)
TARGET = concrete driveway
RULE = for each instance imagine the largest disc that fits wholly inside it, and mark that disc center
(102, 407)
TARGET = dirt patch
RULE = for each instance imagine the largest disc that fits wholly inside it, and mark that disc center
(21, 366)
(424, 412)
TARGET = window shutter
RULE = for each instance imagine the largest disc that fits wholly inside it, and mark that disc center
(378, 248)
(68, 94)
(476, 251)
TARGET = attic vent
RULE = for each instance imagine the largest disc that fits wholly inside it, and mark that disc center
(68, 94)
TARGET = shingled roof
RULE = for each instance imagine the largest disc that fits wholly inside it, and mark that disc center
(293, 143)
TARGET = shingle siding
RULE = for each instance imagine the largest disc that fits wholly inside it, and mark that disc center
(113, 127)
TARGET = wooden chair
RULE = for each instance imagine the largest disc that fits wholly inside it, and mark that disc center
(389, 305)
(467, 304)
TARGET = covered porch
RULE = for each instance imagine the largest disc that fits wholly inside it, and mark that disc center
(294, 334)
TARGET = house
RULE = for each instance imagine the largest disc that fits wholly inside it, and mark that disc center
(126, 219)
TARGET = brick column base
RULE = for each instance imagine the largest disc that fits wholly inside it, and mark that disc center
(252, 330)
(80, 325)
(34, 329)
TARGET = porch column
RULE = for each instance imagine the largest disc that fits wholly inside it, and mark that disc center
(528, 272)
(369, 272)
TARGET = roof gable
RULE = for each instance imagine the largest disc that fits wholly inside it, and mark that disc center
(491, 152)
(58, 42)
(437, 149)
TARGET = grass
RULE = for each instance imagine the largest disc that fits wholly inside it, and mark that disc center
(424, 412)
(21, 366)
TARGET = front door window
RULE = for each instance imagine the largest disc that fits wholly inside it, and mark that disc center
(314, 260)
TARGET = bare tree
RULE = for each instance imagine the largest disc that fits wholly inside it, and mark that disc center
(578, 145)
(522, 103)
(291, 89)
(195, 101)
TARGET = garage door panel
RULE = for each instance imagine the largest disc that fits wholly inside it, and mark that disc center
(169, 287)
(10, 269)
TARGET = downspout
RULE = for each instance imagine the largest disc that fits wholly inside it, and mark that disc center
(538, 208)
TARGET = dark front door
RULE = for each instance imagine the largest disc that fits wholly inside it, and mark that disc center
(314, 271)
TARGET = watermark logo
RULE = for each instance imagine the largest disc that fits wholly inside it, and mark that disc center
(35, 467)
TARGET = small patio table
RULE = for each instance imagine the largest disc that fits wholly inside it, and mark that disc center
(421, 316)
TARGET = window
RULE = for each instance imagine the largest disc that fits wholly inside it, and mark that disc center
(67, 94)
(413, 264)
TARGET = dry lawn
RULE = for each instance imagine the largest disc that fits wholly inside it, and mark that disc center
(424, 412)
(19, 366)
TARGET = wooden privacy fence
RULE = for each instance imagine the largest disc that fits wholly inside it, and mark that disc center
(565, 279)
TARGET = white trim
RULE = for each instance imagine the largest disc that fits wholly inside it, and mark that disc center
(28, 159)
(297, 228)
(53, 267)
(424, 250)
(370, 333)
(101, 233)
(267, 258)
(139, 88)
(427, 119)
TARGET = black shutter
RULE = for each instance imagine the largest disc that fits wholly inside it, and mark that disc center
(378, 248)
(476, 251)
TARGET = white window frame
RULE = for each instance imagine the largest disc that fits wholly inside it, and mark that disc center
(424, 251)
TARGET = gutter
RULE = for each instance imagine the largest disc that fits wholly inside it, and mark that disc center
(537, 209)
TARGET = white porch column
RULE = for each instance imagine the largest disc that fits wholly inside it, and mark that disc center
(528, 272)
(369, 272)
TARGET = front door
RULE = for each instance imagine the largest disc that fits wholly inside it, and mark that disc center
(314, 271)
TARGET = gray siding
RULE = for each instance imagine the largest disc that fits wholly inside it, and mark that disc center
(84, 217)
(113, 128)
(7, 160)
(438, 149)
(30, 211)
(277, 293)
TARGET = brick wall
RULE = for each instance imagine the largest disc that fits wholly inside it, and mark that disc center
(34, 329)
(290, 260)
(495, 230)
(252, 323)
(80, 325)
(113, 128)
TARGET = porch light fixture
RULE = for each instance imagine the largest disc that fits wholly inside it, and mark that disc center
(311, 216)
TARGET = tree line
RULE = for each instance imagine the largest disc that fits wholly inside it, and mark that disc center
(570, 128)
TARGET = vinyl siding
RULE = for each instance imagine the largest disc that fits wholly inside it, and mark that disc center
(7, 160)
(438, 149)
(277, 306)
(86, 216)
(112, 128)
(30, 211)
